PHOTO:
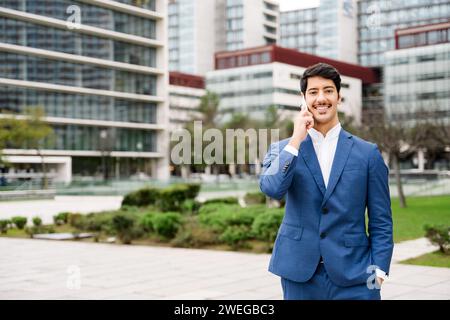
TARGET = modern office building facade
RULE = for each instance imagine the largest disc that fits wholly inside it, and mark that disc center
(417, 75)
(328, 30)
(251, 80)
(98, 69)
(378, 20)
(368, 33)
(198, 29)
(185, 93)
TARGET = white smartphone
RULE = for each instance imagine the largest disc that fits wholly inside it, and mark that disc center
(303, 103)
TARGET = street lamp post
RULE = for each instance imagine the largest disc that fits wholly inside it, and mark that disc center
(103, 137)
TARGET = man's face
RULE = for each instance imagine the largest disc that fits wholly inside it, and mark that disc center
(322, 99)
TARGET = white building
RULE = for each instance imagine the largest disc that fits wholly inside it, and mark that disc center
(185, 92)
(198, 29)
(251, 80)
(102, 83)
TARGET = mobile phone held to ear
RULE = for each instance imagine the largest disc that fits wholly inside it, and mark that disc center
(303, 105)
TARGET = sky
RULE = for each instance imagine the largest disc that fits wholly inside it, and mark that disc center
(286, 5)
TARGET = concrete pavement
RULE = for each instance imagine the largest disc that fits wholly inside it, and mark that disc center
(42, 269)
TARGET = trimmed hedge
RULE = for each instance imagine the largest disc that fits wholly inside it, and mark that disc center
(141, 198)
(163, 224)
(220, 216)
(265, 226)
(37, 222)
(226, 200)
(122, 225)
(19, 222)
(235, 236)
(4, 225)
(166, 199)
(61, 218)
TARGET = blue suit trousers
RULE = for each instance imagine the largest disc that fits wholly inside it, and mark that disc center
(320, 287)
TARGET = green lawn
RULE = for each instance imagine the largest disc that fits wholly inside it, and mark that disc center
(409, 222)
(434, 259)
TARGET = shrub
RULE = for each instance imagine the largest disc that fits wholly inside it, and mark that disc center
(61, 218)
(192, 190)
(255, 198)
(439, 235)
(146, 222)
(166, 224)
(265, 226)
(192, 234)
(123, 224)
(100, 221)
(38, 230)
(76, 220)
(141, 198)
(4, 224)
(37, 222)
(20, 222)
(171, 198)
(190, 206)
(235, 236)
(167, 199)
(220, 216)
(130, 199)
(226, 200)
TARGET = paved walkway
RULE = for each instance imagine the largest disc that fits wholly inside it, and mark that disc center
(41, 269)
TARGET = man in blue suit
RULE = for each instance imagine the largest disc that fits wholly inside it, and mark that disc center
(329, 178)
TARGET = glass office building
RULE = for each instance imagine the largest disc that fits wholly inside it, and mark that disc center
(198, 29)
(417, 75)
(97, 69)
(328, 30)
(298, 30)
(378, 20)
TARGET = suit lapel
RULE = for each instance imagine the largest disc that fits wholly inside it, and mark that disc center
(343, 148)
(309, 155)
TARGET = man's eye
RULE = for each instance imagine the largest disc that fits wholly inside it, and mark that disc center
(329, 91)
(313, 92)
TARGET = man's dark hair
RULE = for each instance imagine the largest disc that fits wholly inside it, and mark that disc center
(320, 70)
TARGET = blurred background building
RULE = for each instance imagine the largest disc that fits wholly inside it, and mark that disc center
(249, 81)
(103, 80)
(417, 75)
(198, 29)
(99, 71)
(185, 92)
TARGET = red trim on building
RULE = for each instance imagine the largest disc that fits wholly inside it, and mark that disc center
(421, 29)
(274, 53)
(186, 80)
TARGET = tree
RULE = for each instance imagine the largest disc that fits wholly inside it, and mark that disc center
(209, 117)
(429, 133)
(26, 131)
(390, 138)
(36, 134)
(11, 133)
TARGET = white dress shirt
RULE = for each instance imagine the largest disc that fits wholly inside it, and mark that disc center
(325, 148)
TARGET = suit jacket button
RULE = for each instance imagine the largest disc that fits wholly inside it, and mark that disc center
(323, 235)
(324, 210)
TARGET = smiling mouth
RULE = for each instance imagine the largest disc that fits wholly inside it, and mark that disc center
(322, 108)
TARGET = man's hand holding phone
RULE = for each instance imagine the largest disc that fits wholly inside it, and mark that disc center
(303, 122)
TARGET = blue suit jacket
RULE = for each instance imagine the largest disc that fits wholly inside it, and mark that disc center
(330, 221)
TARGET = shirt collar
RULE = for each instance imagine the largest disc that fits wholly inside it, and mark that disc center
(316, 136)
